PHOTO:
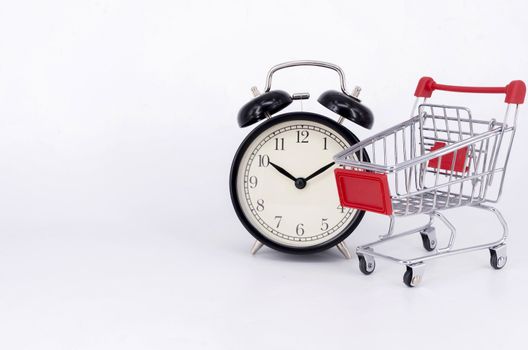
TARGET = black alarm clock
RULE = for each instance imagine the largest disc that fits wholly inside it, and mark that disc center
(281, 182)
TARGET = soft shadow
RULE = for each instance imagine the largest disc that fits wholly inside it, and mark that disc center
(330, 255)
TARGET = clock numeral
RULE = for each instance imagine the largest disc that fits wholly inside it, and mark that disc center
(340, 207)
(253, 181)
(279, 218)
(325, 143)
(263, 160)
(279, 144)
(324, 224)
(260, 204)
(302, 136)
(299, 230)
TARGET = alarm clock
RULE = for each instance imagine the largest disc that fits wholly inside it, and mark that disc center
(281, 181)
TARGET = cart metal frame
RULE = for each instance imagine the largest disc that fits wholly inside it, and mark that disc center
(442, 158)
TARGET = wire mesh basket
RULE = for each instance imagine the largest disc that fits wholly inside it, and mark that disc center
(441, 158)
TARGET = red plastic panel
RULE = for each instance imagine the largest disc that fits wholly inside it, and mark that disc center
(364, 190)
(447, 159)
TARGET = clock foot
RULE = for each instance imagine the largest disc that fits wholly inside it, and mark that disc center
(256, 246)
(342, 247)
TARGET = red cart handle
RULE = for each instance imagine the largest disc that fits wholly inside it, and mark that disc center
(515, 91)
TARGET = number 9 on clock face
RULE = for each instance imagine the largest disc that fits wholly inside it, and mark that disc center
(283, 186)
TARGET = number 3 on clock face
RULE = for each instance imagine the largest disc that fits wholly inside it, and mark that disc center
(283, 187)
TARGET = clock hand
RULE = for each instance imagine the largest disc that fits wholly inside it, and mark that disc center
(283, 172)
(319, 171)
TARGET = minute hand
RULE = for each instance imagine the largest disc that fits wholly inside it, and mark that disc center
(319, 171)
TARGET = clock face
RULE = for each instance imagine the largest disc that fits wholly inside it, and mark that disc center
(285, 184)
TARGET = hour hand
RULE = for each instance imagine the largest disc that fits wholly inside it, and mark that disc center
(283, 171)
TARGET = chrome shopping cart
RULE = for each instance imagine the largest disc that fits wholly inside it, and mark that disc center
(441, 158)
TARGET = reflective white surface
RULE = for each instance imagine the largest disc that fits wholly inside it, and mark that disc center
(117, 129)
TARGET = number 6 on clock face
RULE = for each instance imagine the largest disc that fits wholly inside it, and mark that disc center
(283, 187)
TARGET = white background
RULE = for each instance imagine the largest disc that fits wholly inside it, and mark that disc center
(117, 129)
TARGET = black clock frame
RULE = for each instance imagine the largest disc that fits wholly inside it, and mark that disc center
(300, 116)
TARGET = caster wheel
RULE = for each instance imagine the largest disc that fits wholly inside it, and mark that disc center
(366, 265)
(407, 277)
(429, 239)
(498, 257)
(413, 275)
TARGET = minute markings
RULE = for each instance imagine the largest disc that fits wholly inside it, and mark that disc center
(253, 156)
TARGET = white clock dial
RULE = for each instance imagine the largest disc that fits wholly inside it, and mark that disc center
(302, 214)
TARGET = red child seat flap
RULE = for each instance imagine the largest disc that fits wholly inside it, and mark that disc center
(447, 159)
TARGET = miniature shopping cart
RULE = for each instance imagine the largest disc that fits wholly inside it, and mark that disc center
(442, 158)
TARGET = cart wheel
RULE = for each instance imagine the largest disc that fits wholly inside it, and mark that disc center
(498, 257)
(407, 277)
(429, 239)
(413, 275)
(366, 265)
